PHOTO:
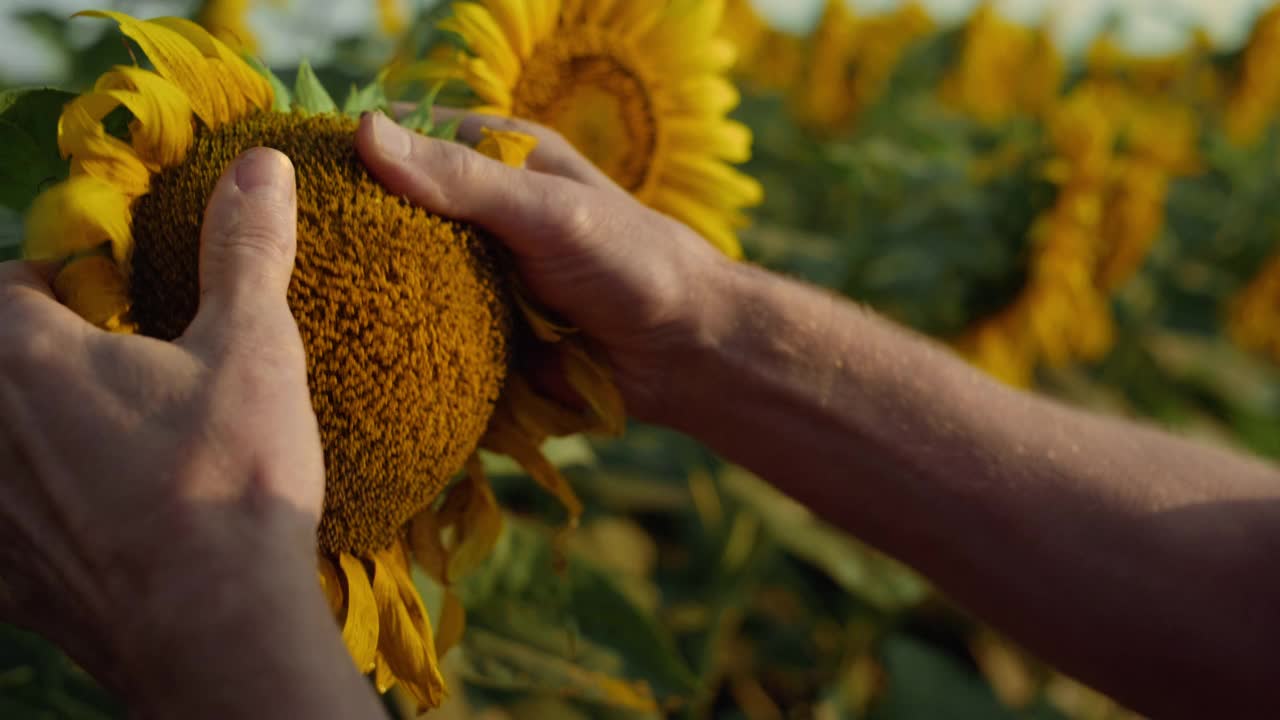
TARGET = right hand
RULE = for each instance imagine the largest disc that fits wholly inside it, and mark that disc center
(635, 281)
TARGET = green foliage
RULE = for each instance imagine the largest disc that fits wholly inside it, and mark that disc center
(309, 94)
(29, 158)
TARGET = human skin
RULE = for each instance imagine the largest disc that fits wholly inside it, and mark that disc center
(159, 501)
(1141, 562)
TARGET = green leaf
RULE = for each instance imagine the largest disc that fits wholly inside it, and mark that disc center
(447, 131)
(493, 661)
(29, 157)
(926, 683)
(10, 234)
(422, 118)
(283, 101)
(578, 614)
(370, 98)
(309, 94)
(861, 571)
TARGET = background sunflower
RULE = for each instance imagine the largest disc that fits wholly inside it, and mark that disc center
(1100, 225)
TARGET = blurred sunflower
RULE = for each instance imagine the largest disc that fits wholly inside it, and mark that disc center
(1061, 314)
(638, 87)
(405, 385)
(1256, 95)
(1254, 313)
(229, 20)
(1005, 69)
(1160, 140)
(851, 60)
(766, 58)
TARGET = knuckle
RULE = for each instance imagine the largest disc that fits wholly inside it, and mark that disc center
(576, 219)
(257, 239)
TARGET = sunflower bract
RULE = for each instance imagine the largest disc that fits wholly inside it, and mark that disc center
(404, 317)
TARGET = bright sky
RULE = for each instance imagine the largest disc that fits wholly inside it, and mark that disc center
(1144, 25)
(299, 28)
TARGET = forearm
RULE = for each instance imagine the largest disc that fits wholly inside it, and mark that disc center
(256, 644)
(1132, 559)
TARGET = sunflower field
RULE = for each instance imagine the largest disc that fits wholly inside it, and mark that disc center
(1087, 208)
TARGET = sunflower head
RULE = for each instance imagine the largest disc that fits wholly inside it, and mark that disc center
(640, 88)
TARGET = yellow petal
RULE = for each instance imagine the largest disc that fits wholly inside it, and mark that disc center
(178, 61)
(514, 19)
(479, 525)
(712, 182)
(406, 640)
(505, 436)
(593, 380)
(485, 38)
(163, 128)
(544, 328)
(96, 290)
(360, 627)
(428, 549)
(453, 623)
(384, 678)
(80, 214)
(512, 148)
(244, 88)
(82, 137)
(330, 585)
(540, 416)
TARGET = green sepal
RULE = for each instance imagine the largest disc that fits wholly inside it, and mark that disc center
(422, 119)
(283, 101)
(309, 94)
(29, 157)
(370, 98)
(447, 131)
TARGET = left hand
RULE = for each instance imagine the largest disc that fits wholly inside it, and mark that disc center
(152, 491)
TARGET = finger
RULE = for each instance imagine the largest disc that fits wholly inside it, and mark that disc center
(536, 215)
(27, 297)
(247, 246)
(554, 154)
(35, 276)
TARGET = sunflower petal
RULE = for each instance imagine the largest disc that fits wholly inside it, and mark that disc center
(178, 61)
(244, 88)
(509, 147)
(360, 627)
(163, 128)
(593, 380)
(82, 137)
(80, 214)
(507, 437)
(479, 524)
(330, 585)
(426, 545)
(406, 641)
(95, 289)
(453, 623)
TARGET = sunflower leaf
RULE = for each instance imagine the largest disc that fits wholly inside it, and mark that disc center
(370, 98)
(447, 131)
(422, 119)
(29, 157)
(309, 94)
(283, 100)
(581, 616)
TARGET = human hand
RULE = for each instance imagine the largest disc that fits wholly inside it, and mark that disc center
(149, 490)
(636, 282)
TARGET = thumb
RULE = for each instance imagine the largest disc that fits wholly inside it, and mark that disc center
(247, 245)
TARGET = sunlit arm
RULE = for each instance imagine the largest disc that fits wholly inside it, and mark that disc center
(1142, 563)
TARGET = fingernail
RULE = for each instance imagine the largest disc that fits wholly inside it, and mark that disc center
(260, 169)
(391, 139)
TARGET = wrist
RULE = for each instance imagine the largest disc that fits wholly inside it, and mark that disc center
(695, 363)
(234, 615)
